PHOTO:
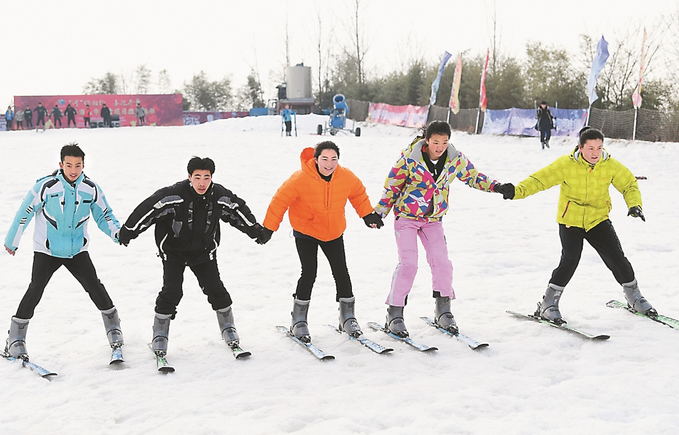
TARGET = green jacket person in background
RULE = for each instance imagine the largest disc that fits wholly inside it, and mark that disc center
(584, 203)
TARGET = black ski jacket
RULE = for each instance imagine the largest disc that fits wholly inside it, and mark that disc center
(187, 224)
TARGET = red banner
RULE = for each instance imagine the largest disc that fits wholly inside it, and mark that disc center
(161, 110)
(404, 116)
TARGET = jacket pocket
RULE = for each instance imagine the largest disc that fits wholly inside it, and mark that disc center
(565, 210)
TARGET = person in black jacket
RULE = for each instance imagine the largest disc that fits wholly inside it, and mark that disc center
(70, 115)
(28, 116)
(545, 124)
(55, 113)
(40, 111)
(186, 216)
(106, 115)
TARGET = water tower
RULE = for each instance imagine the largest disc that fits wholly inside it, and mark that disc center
(298, 90)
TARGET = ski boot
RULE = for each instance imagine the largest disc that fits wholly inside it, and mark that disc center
(443, 318)
(227, 326)
(636, 301)
(347, 320)
(299, 326)
(395, 323)
(161, 332)
(548, 309)
(112, 326)
(15, 345)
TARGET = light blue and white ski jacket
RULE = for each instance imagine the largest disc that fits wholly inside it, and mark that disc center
(61, 213)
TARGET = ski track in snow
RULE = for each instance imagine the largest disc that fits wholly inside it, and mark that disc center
(531, 377)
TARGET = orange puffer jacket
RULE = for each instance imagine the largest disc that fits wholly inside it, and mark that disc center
(316, 207)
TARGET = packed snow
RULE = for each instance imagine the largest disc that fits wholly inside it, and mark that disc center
(532, 378)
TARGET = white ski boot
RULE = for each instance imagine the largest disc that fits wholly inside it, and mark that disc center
(227, 326)
(299, 326)
(15, 345)
(347, 320)
(395, 322)
(549, 308)
(636, 301)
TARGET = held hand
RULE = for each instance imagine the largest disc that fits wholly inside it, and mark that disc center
(636, 212)
(124, 236)
(10, 251)
(264, 236)
(507, 190)
(373, 220)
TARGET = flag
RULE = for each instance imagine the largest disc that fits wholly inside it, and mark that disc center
(597, 65)
(483, 100)
(455, 92)
(435, 84)
(636, 96)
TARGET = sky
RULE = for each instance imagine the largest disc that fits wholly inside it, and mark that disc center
(58, 47)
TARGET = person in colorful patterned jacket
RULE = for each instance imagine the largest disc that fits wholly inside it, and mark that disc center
(62, 204)
(316, 197)
(584, 177)
(417, 189)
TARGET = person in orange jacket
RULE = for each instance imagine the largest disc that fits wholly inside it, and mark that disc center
(315, 198)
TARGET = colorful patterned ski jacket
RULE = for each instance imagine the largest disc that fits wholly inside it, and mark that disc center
(584, 201)
(414, 194)
(316, 207)
(61, 214)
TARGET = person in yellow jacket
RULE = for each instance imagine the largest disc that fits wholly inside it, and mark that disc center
(315, 198)
(584, 203)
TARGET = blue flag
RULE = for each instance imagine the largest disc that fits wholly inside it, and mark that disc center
(597, 65)
(435, 85)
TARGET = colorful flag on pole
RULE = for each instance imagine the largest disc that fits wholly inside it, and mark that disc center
(435, 84)
(483, 100)
(455, 92)
(597, 65)
(636, 96)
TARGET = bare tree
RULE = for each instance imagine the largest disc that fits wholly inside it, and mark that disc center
(359, 49)
(164, 83)
(142, 79)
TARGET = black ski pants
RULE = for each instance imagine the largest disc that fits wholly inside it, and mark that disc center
(307, 249)
(208, 277)
(81, 268)
(606, 243)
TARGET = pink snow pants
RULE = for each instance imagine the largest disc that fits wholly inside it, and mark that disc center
(434, 241)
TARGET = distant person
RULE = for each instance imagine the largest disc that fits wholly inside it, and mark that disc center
(70, 113)
(585, 177)
(56, 116)
(286, 113)
(87, 114)
(62, 204)
(28, 116)
(141, 114)
(9, 117)
(545, 124)
(19, 118)
(41, 112)
(106, 115)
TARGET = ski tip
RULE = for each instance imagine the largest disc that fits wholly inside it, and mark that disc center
(166, 370)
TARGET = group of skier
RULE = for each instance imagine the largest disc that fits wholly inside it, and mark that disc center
(15, 120)
(186, 216)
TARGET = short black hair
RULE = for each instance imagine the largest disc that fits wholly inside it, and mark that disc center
(326, 145)
(437, 127)
(589, 133)
(72, 150)
(197, 163)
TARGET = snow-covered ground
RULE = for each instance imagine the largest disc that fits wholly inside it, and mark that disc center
(530, 379)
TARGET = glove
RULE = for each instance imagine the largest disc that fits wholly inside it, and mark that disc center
(264, 236)
(636, 212)
(373, 219)
(124, 236)
(507, 190)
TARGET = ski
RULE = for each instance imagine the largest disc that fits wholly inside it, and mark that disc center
(407, 340)
(40, 371)
(238, 352)
(375, 347)
(473, 344)
(562, 326)
(116, 355)
(318, 353)
(668, 321)
(161, 362)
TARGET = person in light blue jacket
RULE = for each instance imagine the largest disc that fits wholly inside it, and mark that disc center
(9, 117)
(62, 204)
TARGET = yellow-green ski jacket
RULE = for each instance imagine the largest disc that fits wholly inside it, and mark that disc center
(584, 201)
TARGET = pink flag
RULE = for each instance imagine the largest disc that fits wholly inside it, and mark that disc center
(455, 92)
(636, 96)
(483, 100)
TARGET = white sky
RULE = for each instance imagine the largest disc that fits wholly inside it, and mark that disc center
(53, 47)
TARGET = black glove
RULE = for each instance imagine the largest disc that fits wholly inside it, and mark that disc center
(124, 236)
(506, 189)
(264, 236)
(636, 212)
(373, 219)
